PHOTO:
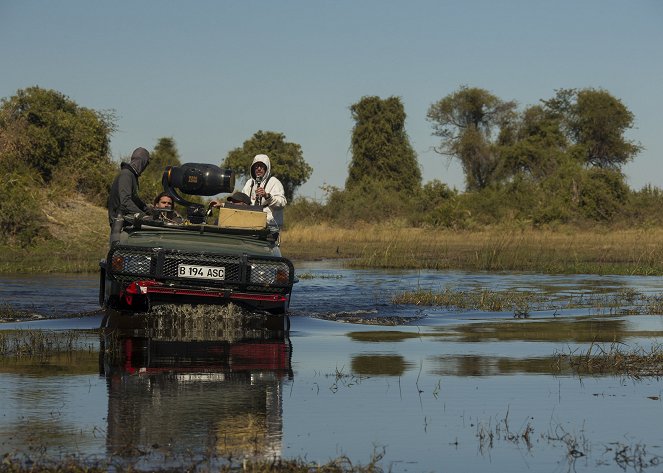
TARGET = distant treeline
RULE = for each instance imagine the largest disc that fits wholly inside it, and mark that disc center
(556, 162)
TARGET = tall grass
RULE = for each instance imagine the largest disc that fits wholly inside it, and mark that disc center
(81, 241)
(568, 250)
(599, 358)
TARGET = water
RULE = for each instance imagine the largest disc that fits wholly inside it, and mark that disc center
(440, 390)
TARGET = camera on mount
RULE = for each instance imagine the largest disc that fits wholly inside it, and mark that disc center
(196, 179)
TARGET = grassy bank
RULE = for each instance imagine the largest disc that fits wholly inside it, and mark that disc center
(79, 232)
(80, 239)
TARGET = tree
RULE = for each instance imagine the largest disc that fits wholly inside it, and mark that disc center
(21, 217)
(164, 154)
(65, 144)
(533, 145)
(287, 160)
(595, 123)
(469, 122)
(381, 152)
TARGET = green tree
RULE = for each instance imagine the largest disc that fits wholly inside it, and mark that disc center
(164, 154)
(382, 156)
(532, 145)
(469, 123)
(65, 144)
(21, 219)
(595, 123)
(287, 160)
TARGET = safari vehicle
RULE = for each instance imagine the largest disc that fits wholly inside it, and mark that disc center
(236, 259)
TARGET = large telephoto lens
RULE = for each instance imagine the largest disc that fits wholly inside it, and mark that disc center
(200, 179)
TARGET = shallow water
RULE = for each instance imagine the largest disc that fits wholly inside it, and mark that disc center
(441, 390)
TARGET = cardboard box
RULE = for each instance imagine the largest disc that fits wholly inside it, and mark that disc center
(248, 219)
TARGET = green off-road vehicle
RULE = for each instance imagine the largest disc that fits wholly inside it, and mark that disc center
(190, 261)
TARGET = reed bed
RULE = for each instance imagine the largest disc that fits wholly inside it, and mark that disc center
(567, 250)
(615, 360)
(524, 302)
(22, 464)
(32, 343)
(12, 314)
(486, 300)
(636, 251)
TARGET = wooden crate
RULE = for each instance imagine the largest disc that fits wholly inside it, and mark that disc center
(249, 219)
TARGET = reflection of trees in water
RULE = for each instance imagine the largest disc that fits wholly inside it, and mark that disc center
(476, 365)
(585, 330)
(196, 386)
(380, 365)
(556, 330)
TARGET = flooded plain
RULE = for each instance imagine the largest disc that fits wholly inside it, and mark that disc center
(347, 374)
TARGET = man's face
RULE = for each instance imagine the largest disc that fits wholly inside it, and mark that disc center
(165, 203)
(260, 169)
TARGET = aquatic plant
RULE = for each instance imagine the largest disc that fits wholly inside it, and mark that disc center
(12, 463)
(33, 343)
(615, 359)
(310, 275)
(12, 314)
(524, 303)
(485, 299)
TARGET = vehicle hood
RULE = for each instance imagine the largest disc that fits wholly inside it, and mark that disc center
(185, 240)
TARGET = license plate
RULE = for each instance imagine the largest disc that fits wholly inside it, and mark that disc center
(201, 272)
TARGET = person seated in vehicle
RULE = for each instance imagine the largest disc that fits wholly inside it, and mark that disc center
(242, 202)
(164, 209)
(239, 198)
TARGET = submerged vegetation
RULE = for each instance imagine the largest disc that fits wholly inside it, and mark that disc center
(615, 359)
(522, 303)
(41, 343)
(14, 464)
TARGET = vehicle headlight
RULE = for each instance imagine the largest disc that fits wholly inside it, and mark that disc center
(137, 264)
(269, 273)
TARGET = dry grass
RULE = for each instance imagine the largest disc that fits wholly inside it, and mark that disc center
(81, 239)
(615, 359)
(77, 220)
(568, 250)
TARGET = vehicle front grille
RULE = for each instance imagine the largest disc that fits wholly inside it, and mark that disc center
(271, 274)
(231, 264)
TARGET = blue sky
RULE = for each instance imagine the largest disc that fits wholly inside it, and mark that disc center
(212, 73)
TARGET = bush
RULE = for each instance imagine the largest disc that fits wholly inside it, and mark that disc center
(371, 202)
(21, 219)
(603, 194)
(643, 207)
(303, 211)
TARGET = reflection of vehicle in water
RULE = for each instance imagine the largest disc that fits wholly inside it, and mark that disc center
(157, 261)
(195, 386)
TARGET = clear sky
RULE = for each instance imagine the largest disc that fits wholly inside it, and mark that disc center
(211, 73)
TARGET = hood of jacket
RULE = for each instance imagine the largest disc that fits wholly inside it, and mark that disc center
(140, 158)
(261, 158)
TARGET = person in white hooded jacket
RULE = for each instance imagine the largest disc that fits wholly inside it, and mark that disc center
(266, 190)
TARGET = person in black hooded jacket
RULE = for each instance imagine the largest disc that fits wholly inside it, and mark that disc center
(123, 198)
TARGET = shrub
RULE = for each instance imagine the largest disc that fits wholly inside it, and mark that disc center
(21, 219)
